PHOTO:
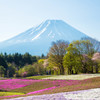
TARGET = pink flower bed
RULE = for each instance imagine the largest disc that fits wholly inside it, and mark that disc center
(15, 83)
(29, 92)
(62, 83)
(18, 83)
(41, 90)
(56, 84)
(10, 84)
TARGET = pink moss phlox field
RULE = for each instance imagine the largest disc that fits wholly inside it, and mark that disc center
(30, 92)
(41, 90)
(56, 84)
(10, 84)
(62, 83)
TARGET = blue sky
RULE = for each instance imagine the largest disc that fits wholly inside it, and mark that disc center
(17, 16)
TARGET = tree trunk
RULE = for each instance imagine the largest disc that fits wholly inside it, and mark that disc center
(96, 67)
(62, 70)
(92, 69)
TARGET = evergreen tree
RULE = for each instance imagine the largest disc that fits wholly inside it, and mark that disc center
(2, 71)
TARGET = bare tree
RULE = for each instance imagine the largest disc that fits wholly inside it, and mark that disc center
(95, 43)
(56, 54)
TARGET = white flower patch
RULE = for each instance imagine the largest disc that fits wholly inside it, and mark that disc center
(91, 94)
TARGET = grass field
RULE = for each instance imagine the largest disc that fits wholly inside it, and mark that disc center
(72, 77)
(49, 85)
(10, 93)
(38, 77)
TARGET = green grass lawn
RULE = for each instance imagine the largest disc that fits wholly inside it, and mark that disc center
(10, 93)
(72, 77)
(38, 77)
(65, 77)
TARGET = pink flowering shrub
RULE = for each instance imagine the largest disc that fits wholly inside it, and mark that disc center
(24, 74)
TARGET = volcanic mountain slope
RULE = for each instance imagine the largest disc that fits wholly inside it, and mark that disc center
(37, 40)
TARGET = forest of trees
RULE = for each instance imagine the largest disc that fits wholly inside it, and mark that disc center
(63, 58)
(9, 64)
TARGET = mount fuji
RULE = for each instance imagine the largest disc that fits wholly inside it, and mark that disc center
(37, 40)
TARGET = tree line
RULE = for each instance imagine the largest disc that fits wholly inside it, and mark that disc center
(75, 57)
(80, 56)
(11, 63)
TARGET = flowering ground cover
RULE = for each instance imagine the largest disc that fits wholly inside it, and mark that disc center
(10, 84)
(74, 86)
(90, 94)
(47, 86)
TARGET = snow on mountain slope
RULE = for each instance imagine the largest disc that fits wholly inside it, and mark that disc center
(37, 40)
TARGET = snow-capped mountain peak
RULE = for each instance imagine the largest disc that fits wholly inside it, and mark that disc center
(37, 40)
